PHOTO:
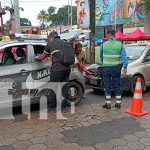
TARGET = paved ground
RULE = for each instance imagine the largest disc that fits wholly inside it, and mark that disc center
(90, 128)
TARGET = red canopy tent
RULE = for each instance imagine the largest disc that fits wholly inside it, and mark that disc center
(145, 37)
(119, 35)
(135, 36)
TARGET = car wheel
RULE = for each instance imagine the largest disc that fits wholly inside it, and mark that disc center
(75, 93)
(134, 83)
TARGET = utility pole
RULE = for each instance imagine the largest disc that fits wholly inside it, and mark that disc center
(17, 15)
(2, 12)
(92, 33)
(68, 13)
(71, 14)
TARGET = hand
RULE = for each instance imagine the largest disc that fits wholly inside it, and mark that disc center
(124, 72)
(41, 57)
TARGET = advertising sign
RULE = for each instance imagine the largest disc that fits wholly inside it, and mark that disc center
(83, 18)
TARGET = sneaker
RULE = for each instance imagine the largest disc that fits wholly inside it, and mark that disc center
(118, 105)
(107, 106)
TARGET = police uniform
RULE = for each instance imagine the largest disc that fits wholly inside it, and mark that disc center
(113, 57)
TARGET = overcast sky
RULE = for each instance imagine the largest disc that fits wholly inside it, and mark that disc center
(33, 7)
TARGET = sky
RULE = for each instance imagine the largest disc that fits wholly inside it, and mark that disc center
(33, 7)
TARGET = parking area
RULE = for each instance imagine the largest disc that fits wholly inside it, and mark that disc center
(90, 128)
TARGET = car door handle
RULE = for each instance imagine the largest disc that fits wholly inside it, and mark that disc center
(23, 70)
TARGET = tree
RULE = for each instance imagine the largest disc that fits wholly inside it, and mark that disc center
(43, 17)
(146, 10)
(51, 10)
(25, 22)
(61, 16)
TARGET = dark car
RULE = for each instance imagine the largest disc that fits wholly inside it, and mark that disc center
(95, 81)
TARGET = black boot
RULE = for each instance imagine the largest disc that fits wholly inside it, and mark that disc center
(107, 106)
(118, 105)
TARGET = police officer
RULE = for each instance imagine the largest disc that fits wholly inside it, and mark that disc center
(113, 58)
(59, 72)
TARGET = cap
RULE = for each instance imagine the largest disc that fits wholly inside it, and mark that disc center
(111, 32)
(53, 34)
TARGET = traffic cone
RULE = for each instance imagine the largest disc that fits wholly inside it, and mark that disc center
(137, 102)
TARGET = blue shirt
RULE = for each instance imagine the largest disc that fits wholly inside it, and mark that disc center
(123, 55)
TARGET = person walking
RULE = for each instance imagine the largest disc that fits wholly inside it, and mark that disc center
(113, 57)
(59, 72)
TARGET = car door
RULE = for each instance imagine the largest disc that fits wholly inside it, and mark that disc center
(146, 67)
(13, 73)
(41, 69)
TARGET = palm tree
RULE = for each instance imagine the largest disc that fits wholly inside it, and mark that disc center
(43, 17)
(146, 10)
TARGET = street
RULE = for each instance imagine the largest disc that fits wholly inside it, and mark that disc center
(90, 128)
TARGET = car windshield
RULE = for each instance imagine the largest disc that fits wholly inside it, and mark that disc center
(134, 51)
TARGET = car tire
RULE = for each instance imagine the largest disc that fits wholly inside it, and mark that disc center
(75, 93)
(134, 84)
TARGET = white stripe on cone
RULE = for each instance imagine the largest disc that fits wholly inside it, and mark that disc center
(137, 96)
(138, 86)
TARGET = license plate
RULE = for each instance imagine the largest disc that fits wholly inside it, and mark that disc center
(93, 82)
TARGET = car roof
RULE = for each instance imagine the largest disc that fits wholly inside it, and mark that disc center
(2, 43)
(138, 44)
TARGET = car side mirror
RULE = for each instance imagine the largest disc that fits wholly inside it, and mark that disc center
(147, 58)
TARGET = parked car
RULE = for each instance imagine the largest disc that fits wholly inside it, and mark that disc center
(15, 71)
(139, 66)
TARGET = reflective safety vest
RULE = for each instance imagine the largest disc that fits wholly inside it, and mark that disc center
(111, 53)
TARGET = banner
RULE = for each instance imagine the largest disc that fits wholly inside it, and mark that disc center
(133, 14)
(111, 12)
(83, 18)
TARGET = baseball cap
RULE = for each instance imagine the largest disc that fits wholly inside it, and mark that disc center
(53, 34)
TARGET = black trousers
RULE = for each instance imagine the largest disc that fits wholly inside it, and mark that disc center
(59, 77)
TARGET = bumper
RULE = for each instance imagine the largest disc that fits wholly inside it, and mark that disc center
(97, 83)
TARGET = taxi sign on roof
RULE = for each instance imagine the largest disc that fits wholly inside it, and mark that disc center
(31, 36)
(5, 38)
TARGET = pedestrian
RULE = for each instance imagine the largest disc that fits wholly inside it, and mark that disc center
(84, 44)
(59, 72)
(80, 54)
(113, 57)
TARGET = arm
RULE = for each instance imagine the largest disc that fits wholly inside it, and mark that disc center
(124, 60)
(45, 54)
(101, 54)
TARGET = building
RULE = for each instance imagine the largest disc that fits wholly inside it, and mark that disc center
(124, 15)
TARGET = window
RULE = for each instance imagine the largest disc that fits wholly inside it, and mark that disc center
(13, 55)
(38, 50)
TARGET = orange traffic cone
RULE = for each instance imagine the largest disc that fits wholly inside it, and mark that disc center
(137, 102)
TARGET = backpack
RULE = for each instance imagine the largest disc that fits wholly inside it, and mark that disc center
(67, 54)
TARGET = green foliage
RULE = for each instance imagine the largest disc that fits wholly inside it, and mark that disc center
(146, 7)
(25, 22)
(61, 16)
